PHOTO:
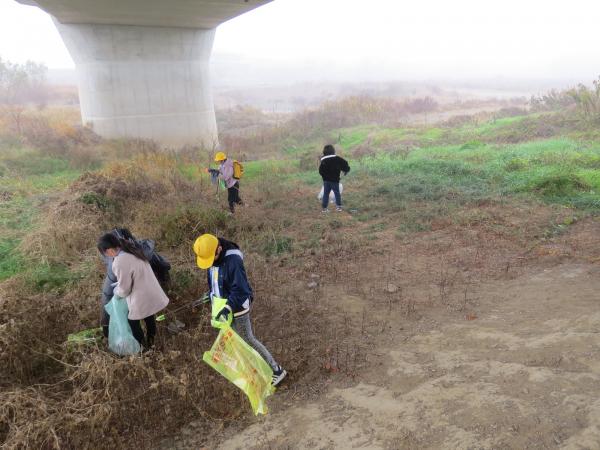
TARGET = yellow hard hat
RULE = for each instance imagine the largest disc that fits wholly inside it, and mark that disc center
(205, 248)
(220, 156)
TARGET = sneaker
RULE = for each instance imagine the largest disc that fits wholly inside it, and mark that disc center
(338, 208)
(325, 211)
(278, 376)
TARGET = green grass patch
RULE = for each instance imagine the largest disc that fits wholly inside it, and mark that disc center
(276, 245)
(300, 148)
(31, 164)
(560, 185)
(45, 277)
(16, 215)
(349, 138)
(11, 262)
(267, 168)
(555, 170)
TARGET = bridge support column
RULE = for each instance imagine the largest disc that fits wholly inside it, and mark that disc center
(144, 81)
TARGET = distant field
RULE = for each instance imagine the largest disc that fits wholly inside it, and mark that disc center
(61, 187)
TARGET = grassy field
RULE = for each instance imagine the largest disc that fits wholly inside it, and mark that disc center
(405, 180)
(421, 172)
(427, 172)
(28, 178)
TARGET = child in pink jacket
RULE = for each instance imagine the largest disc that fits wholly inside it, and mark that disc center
(232, 183)
(136, 283)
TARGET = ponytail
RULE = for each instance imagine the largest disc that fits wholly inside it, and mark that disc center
(131, 247)
(118, 240)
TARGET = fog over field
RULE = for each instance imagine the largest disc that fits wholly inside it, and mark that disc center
(288, 41)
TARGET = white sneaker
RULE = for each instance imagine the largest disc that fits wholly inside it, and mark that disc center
(324, 211)
(338, 208)
(278, 376)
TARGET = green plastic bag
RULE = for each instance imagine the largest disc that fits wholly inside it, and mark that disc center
(120, 337)
(233, 358)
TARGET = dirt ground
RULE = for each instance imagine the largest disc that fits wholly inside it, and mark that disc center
(481, 343)
(524, 374)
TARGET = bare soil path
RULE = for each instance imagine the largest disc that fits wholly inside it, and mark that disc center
(523, 373)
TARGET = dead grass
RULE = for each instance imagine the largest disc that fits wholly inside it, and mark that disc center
(56, 396)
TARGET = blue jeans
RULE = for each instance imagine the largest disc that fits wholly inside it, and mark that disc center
(329, 186)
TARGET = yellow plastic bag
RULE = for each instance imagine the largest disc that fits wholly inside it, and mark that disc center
(233, 358)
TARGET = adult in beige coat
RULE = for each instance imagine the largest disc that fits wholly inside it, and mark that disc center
(136, 283)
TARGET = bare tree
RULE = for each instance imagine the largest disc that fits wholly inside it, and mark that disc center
(21, 85)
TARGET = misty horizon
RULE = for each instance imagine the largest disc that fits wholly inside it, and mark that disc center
(288, 41)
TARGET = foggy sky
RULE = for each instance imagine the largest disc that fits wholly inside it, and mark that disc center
(375, 39)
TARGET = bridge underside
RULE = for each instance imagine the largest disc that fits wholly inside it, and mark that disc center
(143, 65)
(144, 82)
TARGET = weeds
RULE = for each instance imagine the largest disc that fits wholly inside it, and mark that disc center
(276, 245)
(408, 180)
(11, 262)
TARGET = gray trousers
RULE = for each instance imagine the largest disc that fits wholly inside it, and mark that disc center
(243, 328)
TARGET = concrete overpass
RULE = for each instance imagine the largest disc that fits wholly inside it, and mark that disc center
(143, 65)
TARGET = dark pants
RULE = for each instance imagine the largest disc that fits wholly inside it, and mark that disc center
(329, 186)
(104, 317)
(138, 333)
(233, 195)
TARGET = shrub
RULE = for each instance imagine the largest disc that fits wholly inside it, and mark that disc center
(587, 100)
(551, 101)
(98, 200)
(186, 223)
(516, 164)
(275, 245)
(560, 185)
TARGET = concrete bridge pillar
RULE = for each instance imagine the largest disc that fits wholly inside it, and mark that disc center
(148, 82)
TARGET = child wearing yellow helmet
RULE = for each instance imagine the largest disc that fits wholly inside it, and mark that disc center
(227, 280)
(226, 173)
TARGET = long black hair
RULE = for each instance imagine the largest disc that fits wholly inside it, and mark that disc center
(109, 240)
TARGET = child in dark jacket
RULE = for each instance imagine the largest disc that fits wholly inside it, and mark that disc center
(227, 279)
(329, 169)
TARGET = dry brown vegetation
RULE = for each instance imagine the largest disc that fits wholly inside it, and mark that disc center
(58, 396)
(267, 134)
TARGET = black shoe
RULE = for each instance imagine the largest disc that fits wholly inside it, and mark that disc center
(278, 375)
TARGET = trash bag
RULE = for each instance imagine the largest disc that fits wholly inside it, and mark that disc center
(331, 194)
(120, 337)
(233, 358)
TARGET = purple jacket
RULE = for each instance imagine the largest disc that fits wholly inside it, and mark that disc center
(226, 170)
